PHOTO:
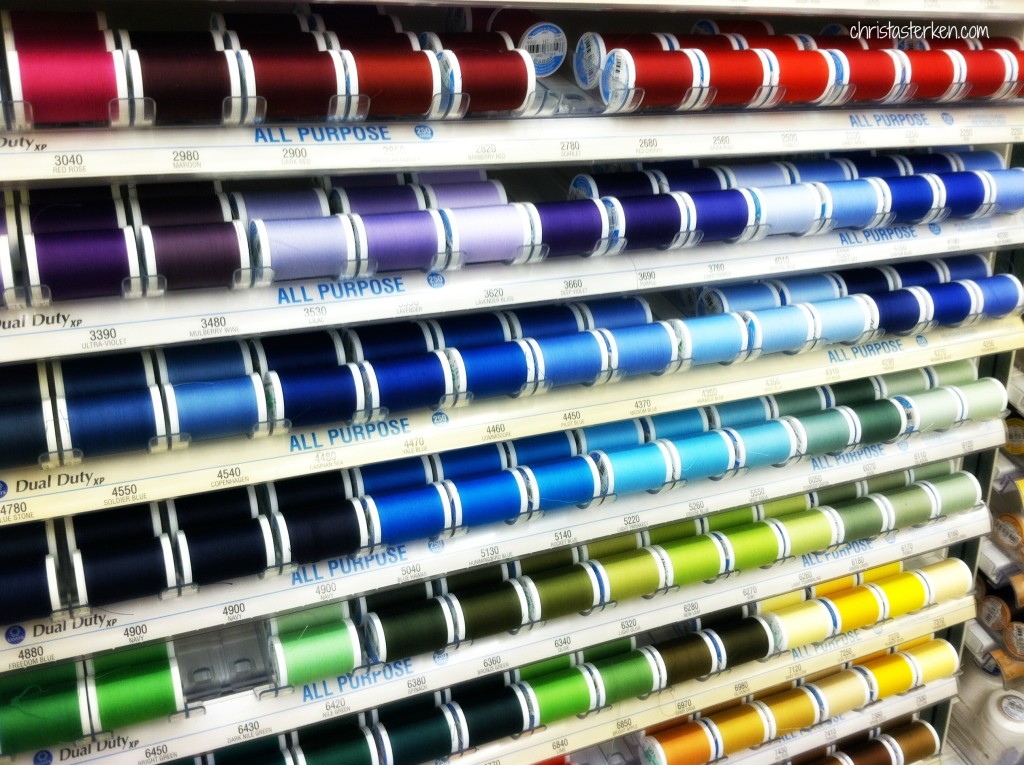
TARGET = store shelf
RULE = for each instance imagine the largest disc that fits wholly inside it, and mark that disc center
(249, 714)
(76, 155)
(688, 697)
(342, 578)
(76, 327)
(32, 493)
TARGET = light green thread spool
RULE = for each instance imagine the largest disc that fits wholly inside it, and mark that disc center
(326, 650)
(564, 694)
(695, 560)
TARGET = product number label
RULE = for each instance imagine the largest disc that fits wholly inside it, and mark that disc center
(68, 164)
(186, 159)
(233, 611)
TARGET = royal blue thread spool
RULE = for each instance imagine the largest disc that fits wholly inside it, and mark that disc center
(203, 362)
(485, 499)
(505, 369)
(1009, 189)
(905, 311)
(930, 163)
(645, 349)
(737, 297)
(470, 330)
(579, 359)
(413, 513)
(573, 482)
(734, 414)
(845, 320)
(413, 382)
(536, 450)
(955, 302)
(544, 321)
(219, 552)
(648, 467)
(212, 507)
(121, 525)
(471, 461)
(114, 422)
(319, 533)
(861, 203)
(612, 313)
(916, 198)
(105, 575)
(787, 329)
(408, 472)
(964, 267)
(235, 406)
(298, 351)
(981, 159)
(869, 280)
(317, 395)
(1002, 295)
(619, 185)
(821, 170)
(762, 175)
(918, 273)
(305, 248)
(768, 443)
(809, 288)
(694, 179)
(706, 455)
(610, 437)
(968, 195)
(797, 209)
(387, 341)
(721, 339)
(573, 227)
(676, 425)
(724, 215)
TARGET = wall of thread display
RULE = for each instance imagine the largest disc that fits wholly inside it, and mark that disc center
(368, 466)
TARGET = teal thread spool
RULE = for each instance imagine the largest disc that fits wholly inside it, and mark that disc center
(828, 432)
(432, 736)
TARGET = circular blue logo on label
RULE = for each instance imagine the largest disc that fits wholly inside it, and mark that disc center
(935, 228)
(424, 132)
(42, 757)
(436, 545)
(15, 634)
(947, 118)
(3, 489)
(435, 280)
(439, 418)
(440, 658)
(922, 340)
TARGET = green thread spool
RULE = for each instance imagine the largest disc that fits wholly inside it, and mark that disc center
(905, 382)
(984, 399)
(563, 694)
(421, 627)
(538, 669)
(831, 495)
(317, 652)
(746, 640)
(798, 402)
(420, 740)
(504, 714)
(731, 519)
(686, 658)
(475, 577)
(559, 593)
(625, 677)
(324, 733)
(912, 505)
(776, 508)
(394, 598)
(955, 493)
(880, 421)
(408, 708)
(634, 574)
(937, 409)
(757, 544)
(954, 372)
(135, 694)
(535, 564)
(38, 719)
(862, 519)
(354, 747)
(298, 621)
(606, 650)
(265, 751)
(886, 482)
(854, 392)
(144, 654)
(38, 680)
(488, 612)
(811, 530)
(671, 532)
(825, 432)
(933, 470)
(605, 548)
(695, 560)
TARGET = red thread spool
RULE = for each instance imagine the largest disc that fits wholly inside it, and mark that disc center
(876, 75)
(44, 21)
(667, 79)
(593, 48)
(190, 87)
(774, 43)
(259, 22)
(936, 74)
(1009, 43)
(806, 76)
(733, 26)
(496, 81)
(708, 42)
(839, 42)
(738, 76)
(960, 44)
(68, 87)
(79, 40)
(262, 40)
(396, 83)
(992, 74)
(299, 84)
(470, 19)
(344, 19)
(458, 41)
(545, 41)
(185, 42)
(382, 41)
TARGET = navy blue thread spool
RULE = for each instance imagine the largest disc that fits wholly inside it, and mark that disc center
(809, 288)
(235, 504)
(545, 321)
(610, 436)
(297, 351)
(579, 359)
(859, 203)
(721, 339)
(573, 227)
(470, 461)
(760, 174)
(768, 443)
(573, 482)
(536, 450)
(387, 341)
(724, 216)
(734, 414)
(612, 313)
(845, 320)
(203, 361)
(407, 472)
(91, 375)
(916, 198)
(29, 590)
(24, 384)
(1002, 295)
(415, 382)
(737, 297)
(310, 534)
(414, 513)
(869, 280)
(905, 311)
(883, 166)
(315, 396)
(797, 209)
(219, 552)
(492, 498)
(138, 414)
(955, 303)
(470, 330)
(116, 526)
(372, 200)
(634, 183)
(30, 434)
(650, 468)
(645, 349)
(140, 569)
(968, 195)
(787, 329)
(200, 411)
(505, 369)
(706, 455)
(918, 273)
(656, 221)
(326, 489)
(963, 267)
(694, 179)
(32, 539)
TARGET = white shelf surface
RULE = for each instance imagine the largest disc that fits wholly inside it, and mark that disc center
(95, 484)
(226, 720)
(75, 327)
(339, 579)
(685, 698)
(154, 153)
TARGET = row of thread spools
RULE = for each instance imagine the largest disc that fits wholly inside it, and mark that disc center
(107, 242)
(308, 647)
(292, 382)
(71, 69)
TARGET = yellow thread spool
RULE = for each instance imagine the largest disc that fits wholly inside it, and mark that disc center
(893, 674)
(904, 592)
(778, 602)
(792, 711)
(857, 607)
(843, 691)
(833, 585)
(881, 572)
(740, 728)
(936, 659)
(949, 579)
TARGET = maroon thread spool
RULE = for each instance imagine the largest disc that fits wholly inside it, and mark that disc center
(197, 86)
(492, 81)
(299, 84)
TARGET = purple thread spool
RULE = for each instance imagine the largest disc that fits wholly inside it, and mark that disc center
(83, 264)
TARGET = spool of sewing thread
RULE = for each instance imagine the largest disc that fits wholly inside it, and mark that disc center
(954, 493)
(29, 433)
(138, 415)
(471, 461)
(768, 443)
(33, 539)
(84, 215)
(687, 744)
(655, 79)
(953, 372)
(632, 574)
(918, 273)
(1009, 189)
(561, 695)
(196, 256)
(696, 559)
(127, 693)
(1002, 295)
(492, 498)
(413, 513)
(561, 592)
(123, 524)
(787, 329)
(937, 75)
(545, 40)
(186, 83)
(491, 234)
(433, 735)
(810, 531)
(299, 350)
(933, 660)
(905, 592)
(693, 179)
(320, 651)
(189, 209)
(503, 713)
(656, 221)
(536, 450)
(821, 170)
(573, 227)
(706, 455)
(796, 209)
(916, 198)
(615, 313)
(372, 200)
(864, 518)
(907, 382)
(981, 159)
(904, 311)
(259, 40)
(803, 623)
(760, 175)
(478, 40)
(644, 349)
(43, 716)
(403, 473)
(178, 40)
(387, 341)
(459, 195)
(871, 279)
(809, 288)
(469, 330)
(18, 21)
(317, 616)
(806, 76)
(574, 481)
(396, 83)
(258, 21)
(83, 264)
(947, 579)
(66, 87)
(318, 533)
(545, 321)
(968, 194)
(417, 628)
(30, 589)
(413, 382)
(313, 396)
(912, 505)
(490, 611)
(991, 74)
(737, 297)
(881, 76)
(752, 545)
(797, 402)
(481, 81)
(735, 414)
(355, 745)
(630, 183)
(748, 639)
(862, 203)
(577, 359)
(721, 339)
(963, 267)
(203, 362)
(729, 215)
(627, 676)
(216, 408)
(305, 248)
(915, 742)
(676, 425)
(743, 77)
(687, 657)
(840, 693)
(538, 669)
(217, 552)
(401, 241)
(281, 204)
(89, 375)
(593, 48)
(984, 399)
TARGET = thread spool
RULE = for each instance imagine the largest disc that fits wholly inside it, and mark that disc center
(912, 506)
(750, 546)
(538, 669)
(880, 421)
(124, 525)
(644, 468)
(706, 455)
(536, 450)
(551, 594)
(196, 256)
(916, 741)
(470, 331)
(471, 461)
(281, 204)
(828, 432)
(33, 539)
(963, 267)
(792, 626)
(968, 195)
(489, 499)
(853, 392)
(414, 382)
(491, 234)
(984, 399)
(955, 493)
(611, 436)
(83, 264)
(735, 414)
(66, 87)
(620, 185)
(433, 735)
(593, 48)
(686, 744)
(627, 676)
(304, 248)
(420, 627)
(373, 200)
(811, 531)
(387, 341)
(876, 75)
(573, 227)
(578, 359)
(749, 639)
(721, 339)
(760, 175)
(483, 81)
(138, 414)
(696, 559)
(84, 215)
(134, 693)
(840, 693)
(631, 574)
(30, 589)
(645, 349)
(413, 513)
(742, 77)
(299, 83)
(397, 83)
(821, 170)
(861, 203)
(769, 443)
(313, 396)
(478, 40)
(916, 198)
(947, 579)
(503, 714)
(737, 297)
(654, 79)
(787, 329)
(991, 73)
(89, 375)
(460, 195)
(218, 552)
(308, 618)
(203, 87)
(919, 273)
(723, 216)
(740, 728)
(1002, 295)
(401, 241)
(934, 659)
(297, 351)
(691, 179)
(571, 482)
(656, 221)
(561, 695)
(387, 476)
(796, 209)
(42, 716)
(203, 362)
(864, 518)
(676, 425)
(217, 408)
(319, 651)
(30, 434)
